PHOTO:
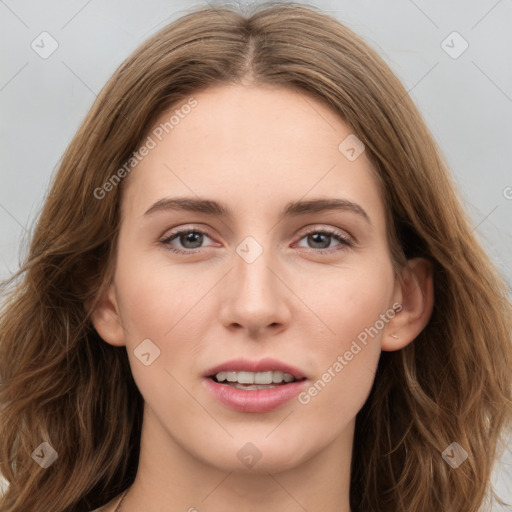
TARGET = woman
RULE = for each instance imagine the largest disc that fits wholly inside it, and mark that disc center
(332, 339)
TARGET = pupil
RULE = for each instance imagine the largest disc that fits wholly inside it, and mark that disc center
(322, 244)
(193, 238)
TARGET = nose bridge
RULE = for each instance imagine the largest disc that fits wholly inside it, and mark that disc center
(255, 298)
(252, 273)
(256, 275)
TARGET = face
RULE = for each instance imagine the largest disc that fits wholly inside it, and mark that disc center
(265, 285)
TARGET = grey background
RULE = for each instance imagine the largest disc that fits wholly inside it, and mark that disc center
(466, 101)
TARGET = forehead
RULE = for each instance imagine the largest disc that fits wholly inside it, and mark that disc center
(251, 147)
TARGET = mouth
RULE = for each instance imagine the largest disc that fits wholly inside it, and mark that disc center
(254, 381)
(254, 386)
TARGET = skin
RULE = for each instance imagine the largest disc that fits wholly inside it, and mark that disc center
(253, 148)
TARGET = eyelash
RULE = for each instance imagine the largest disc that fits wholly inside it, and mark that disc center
(345, 241)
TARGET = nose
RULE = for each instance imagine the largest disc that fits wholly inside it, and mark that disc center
(255, 296)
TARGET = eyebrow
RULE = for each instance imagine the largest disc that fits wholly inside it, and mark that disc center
(291, 209)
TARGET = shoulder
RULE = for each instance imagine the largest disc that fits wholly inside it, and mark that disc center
(110, 506)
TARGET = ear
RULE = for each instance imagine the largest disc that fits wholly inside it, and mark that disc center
(414, 291)
(107, 320)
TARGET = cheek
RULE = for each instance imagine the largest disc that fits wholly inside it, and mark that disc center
(348, 299)
(152, 296)
(161, 303)
(352, 305)
(333, 400)
(346, 363)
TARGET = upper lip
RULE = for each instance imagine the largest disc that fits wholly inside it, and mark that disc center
(262, 365)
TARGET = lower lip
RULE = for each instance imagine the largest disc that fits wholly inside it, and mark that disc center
(260, 400)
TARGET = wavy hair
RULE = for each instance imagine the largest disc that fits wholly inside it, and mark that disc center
(62, 384)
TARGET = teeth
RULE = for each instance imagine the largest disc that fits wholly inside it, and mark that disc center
(245, 378)
(277, 376)
(230, 376)
(253, 387)
(261, 378)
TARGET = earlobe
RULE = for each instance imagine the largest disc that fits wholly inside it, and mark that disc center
(106, 319)
(415, 294)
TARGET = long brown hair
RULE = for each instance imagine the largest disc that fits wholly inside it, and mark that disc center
(61, 384)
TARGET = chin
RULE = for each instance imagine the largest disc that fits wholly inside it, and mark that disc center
(257, 455)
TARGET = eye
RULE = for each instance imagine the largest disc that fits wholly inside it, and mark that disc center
(321, 240)
(190, 239)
